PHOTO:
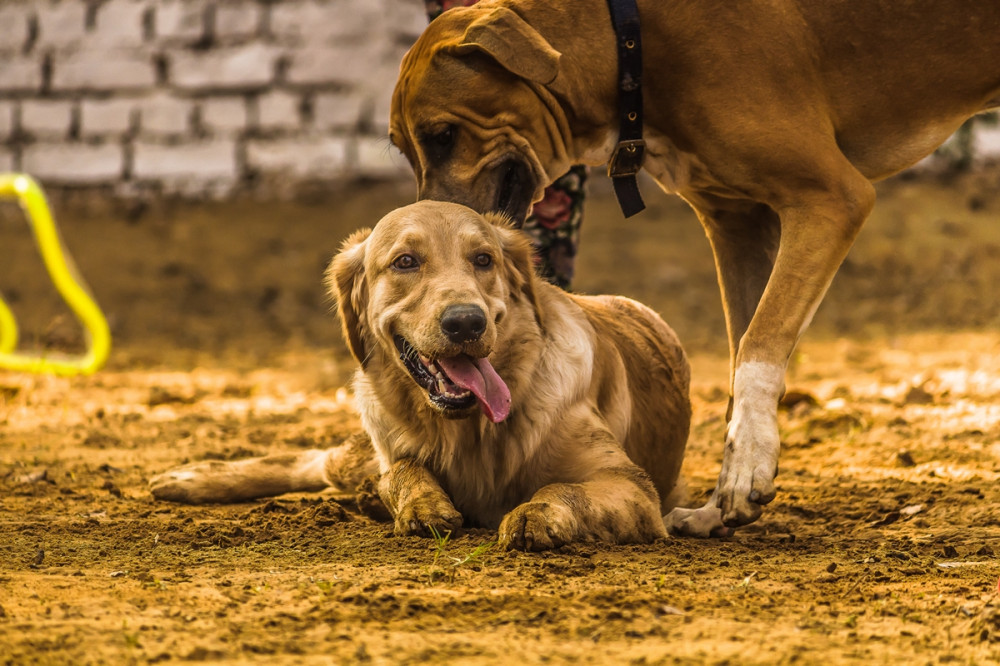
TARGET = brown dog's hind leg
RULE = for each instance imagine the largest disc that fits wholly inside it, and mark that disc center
(817, 233)
(821, 213)
(744, 238)
(416, 501)
(218, 482)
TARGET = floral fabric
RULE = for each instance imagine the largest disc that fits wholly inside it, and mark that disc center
(554, 223)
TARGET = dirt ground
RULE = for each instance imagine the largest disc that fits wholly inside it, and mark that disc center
(880, 548)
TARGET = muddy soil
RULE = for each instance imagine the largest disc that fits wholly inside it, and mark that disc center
(881, 546)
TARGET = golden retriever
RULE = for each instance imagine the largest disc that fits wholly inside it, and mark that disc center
(490, 397)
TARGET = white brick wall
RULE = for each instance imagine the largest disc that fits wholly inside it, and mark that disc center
(6, 120)
(225, 116)
(163, 115)
(317, 22)
(107, 117)
(303, 158)
(177, 95)
(239, 20)
(341, 65)
(278, 111)
(6, 160)
(180, 20)
(101, 70)
(331, 111)
(230, 68)
(20, 74)
(61, 25)
(119, 24)
(378, 158)
(208, 160)
(13, 28)
(74, 163)
(49, 119)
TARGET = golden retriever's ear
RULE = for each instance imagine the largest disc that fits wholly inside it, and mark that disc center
(345, 278)
(509, 40)
(518, 262)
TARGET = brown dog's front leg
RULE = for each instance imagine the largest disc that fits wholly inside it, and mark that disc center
(416, 500)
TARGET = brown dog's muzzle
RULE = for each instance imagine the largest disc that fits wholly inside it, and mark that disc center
(508, 188)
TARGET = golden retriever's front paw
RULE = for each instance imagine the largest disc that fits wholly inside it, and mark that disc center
(537, 526)
(418, 517)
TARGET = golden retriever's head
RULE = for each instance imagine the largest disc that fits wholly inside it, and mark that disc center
(471, 113)
(426, 292)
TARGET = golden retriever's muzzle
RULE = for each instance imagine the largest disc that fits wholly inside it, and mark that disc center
(456, 384)
(463, 323)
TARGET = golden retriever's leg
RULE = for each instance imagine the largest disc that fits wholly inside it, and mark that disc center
(417, 501)
(343, 467)
(618, 505)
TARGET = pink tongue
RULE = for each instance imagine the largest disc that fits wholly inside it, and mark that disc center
(478, 376)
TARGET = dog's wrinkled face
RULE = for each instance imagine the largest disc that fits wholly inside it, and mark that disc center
(428, 289)
(490, 152)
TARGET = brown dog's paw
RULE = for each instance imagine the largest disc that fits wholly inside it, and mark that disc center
(425, 512)
(537, 526)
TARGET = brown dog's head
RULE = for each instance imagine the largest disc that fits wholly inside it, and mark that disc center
(471, 113)
(426, 293)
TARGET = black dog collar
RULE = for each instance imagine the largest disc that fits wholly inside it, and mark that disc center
(626, 160)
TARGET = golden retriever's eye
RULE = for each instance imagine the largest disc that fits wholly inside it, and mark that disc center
(482, 260)
(405, 262)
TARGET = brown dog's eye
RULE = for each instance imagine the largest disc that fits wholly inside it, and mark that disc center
(438, 143)
(405, 262)
(482, 260)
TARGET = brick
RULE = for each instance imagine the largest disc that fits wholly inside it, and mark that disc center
(987, 141)
(278, 111)
(237, 20)
(377, 158)
(46, 118)
(107, 117)
(6, 120)
(103, 70)
(236, 68)
(224, 115)
(13, 29)
(74, 163)
(18, 74)
(337, 110)
(190, 162)
(162, 114)
(341, 65)
(316, 157)
(180, 20)
(405, 18)
(61, 25)
(325, 22)
(7, 160)
(378, 91)
(119, 24)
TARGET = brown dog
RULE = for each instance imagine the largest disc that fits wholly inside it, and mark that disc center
(770, 118)
(489, 395)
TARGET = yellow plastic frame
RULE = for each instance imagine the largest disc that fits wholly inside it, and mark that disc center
(66, 280)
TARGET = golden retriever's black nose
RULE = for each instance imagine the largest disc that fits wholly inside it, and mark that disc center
(463, 323)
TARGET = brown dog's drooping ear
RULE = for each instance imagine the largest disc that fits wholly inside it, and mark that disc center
(509, 40)
(345, 279)
(518, 262)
